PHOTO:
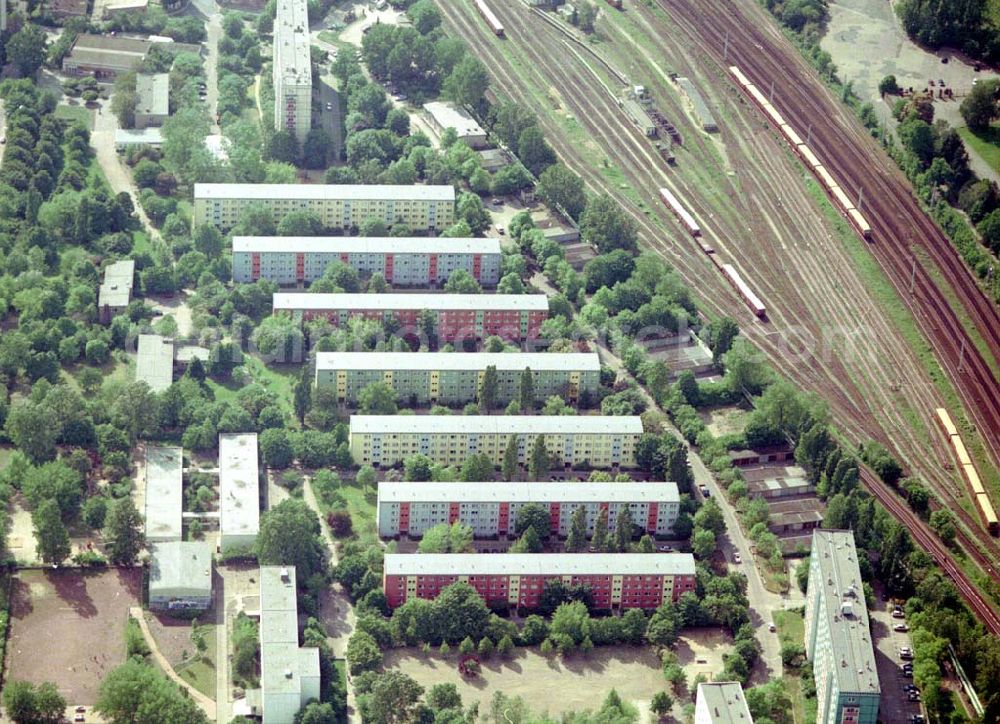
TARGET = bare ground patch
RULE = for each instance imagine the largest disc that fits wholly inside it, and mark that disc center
(724, 420)
(69, 627)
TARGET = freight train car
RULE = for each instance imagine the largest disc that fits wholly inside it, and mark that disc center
(680, 212)
(944, 419)
(989, 514)
(491, 19)
(860, 223)
(751, 299)
(738, 75)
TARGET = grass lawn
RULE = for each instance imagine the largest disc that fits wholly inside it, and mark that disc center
(986, 144)
(5, 455)
(774, 581)
(791, 629)
(74, 113)
(200, 672)
(362, 511)
(279, 379)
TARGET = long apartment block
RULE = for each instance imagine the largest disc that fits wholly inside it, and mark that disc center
(453, 378)
(599, 441)
(424, 208)
(838, 636)
(405, 262)
(491, 509)
(456, 316)
(292, 70)
(239, 490)
(616, 580)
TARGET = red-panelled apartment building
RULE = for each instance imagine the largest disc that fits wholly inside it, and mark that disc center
(491, 509)
(457, 316)
(516, 580)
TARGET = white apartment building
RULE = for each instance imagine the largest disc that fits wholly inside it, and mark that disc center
(491, 509)
(292, 71)
(721, 702)
(418, 207)
(239, 490)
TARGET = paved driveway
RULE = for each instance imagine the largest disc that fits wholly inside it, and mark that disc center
(894, 706)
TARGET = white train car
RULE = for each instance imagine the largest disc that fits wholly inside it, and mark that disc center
(749, 297)
(490, 17)
(680, 212)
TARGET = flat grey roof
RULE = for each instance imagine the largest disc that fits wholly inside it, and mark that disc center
(185, 565)
(725, 702)
(291, 41)
(457, 361)
(403, 492)
(155, 362)
(388, 302)
(138, 136)
(539, 564)
(164, 492)
(365, 245)
(321, 192)
(239, 487)
(852, 656)
(116, 289)
(279, 634)
(152, 92)
(447, 115)
(497, 424)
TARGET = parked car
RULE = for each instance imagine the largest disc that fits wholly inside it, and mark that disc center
(737, 558)
(705, 491)
(906, 653)
(901, 627)
(664, 548)
(497, 202)
(908, 673)
(771, 627)
(917, 719)
(898, 613)
(913, 696)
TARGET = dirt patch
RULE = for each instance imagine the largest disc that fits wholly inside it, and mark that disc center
(21, 536)
(78, 620)
(582, 682)
(724, 420)
(700, 651)
(177, 307)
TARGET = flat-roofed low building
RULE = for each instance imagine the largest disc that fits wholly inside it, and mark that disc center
(797, 516)
(491, 509)
(516, 580)
(289, 675)
(456, 317)
(406, 262)
(116, 290)
(761, 456)
(239, 490)
(180, 576)
(777, 481)
(494, 159)
(127, 138)
(445, 115)
(164, 493)
(418, 207)
(125, 7)
(571, 440)
(721, 702)
(152, 106)
(155, 362)
(453, 378)
(837, 632)
(104, 56)
(63, 9)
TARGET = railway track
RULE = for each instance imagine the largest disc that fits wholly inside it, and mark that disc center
(898, 220)
(545, 65)
(929, 541)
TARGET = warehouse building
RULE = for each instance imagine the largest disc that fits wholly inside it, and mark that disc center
(292, 71)
(516, 580)
(456, 317)
(491, 509)
(450, 378)
(761, 456)
(289, 675)
(405, 262)
(105, 57)
(152, 99)
(421, 208)
(155, 362)
(116, 290)
(701, 111)
(838, 636)
(443, 116)
(239, 490)
(794, 517)
(601, 442)
(721, 702)
(180, 576)
(164, 493)
(777, 481)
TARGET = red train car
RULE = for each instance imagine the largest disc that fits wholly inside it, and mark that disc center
(751, 299)
(680, 212)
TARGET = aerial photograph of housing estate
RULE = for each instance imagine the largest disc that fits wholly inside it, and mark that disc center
(500, 361)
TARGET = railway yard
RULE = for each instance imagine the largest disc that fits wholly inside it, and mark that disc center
(884, 363)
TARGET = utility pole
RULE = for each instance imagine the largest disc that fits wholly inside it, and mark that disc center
(861, 192)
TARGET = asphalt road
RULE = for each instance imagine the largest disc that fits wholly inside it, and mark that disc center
(893, 706)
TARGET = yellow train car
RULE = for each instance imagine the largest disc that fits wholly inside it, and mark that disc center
(960, 452)
(945, 421)
(973, 477)
(988, 513)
